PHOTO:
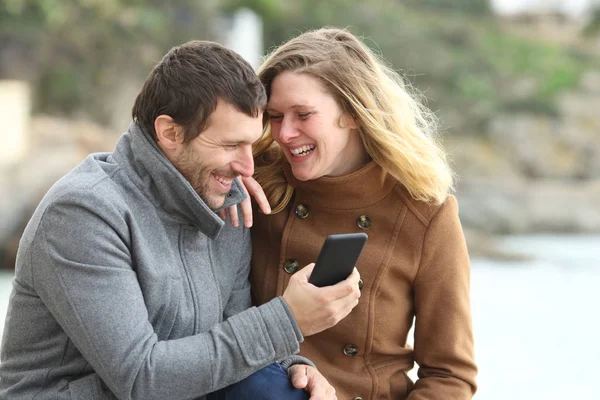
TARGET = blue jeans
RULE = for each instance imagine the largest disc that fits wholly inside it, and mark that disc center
(270, 383)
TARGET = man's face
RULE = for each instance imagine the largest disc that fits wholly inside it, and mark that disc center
(212, 160)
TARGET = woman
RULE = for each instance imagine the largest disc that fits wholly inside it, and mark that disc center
(347, 149)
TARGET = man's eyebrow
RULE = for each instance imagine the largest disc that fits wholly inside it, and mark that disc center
(232, 142)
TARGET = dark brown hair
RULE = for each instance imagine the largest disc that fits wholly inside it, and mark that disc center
(187, 82)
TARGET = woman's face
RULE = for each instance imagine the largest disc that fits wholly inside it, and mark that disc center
(316, 138)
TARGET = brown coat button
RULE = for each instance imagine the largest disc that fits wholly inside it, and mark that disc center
(302, 211)
(350, 350)
(364, 222)
(358, 398)
(290, 266)
(360, 284)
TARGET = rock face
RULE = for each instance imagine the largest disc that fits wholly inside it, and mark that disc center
(524, 206)
(533, 173)
(525, 173)
(566, 147)
(56, 147)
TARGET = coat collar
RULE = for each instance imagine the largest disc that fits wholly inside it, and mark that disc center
(156, 177)
(361, 188)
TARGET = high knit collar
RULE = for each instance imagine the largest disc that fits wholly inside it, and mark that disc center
(361, 188)
(156, 177)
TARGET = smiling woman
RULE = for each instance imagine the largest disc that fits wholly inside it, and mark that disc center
(347, 148)
(315, 135)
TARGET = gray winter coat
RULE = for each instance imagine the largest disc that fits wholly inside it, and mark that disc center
(128, 286)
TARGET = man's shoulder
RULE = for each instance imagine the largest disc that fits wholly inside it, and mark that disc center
(85, 203)
(90, 185)
(92, 172)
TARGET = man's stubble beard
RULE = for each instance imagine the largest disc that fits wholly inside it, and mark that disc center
(198, 176)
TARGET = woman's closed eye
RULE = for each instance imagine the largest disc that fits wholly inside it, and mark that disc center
(302, 115)
(274, 117)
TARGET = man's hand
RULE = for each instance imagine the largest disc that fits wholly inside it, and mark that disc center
(319, 308)
(252, 188)
(310, 379)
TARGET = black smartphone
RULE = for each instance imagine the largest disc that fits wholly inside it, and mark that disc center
(337, 258)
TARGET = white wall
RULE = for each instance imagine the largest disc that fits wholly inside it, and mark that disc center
(15, 109)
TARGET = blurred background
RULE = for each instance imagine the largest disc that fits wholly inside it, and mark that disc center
(516, 84)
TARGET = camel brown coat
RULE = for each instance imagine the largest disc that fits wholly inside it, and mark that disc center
(414, 266)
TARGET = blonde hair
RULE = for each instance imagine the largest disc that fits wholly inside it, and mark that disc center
(397, 130)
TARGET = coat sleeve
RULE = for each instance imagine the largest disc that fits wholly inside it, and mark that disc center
(240, 300)
(443, 329)
(86, 277)
(240, 295)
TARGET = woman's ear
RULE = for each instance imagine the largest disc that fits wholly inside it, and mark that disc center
(169, 134)
(348, 121)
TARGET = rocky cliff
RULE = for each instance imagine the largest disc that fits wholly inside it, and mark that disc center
(533, 173)
(524, 173)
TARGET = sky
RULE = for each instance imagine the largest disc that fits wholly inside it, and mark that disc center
(575, 8)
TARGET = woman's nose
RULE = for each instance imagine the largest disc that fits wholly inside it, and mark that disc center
(287, 130)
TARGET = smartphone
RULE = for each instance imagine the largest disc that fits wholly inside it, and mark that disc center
(337, 258)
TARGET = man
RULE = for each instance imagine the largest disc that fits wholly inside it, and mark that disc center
(128, 285)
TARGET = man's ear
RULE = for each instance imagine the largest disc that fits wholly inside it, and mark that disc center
(169, 134)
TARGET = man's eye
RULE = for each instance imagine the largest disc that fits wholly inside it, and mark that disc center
(231, 146)
(303, 115)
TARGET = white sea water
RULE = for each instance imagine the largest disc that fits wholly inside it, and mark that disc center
(5, 288)
(536, 323)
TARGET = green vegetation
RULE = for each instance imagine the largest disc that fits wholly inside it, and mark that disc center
(593, 26)
(73, 51)
(455, 52)
(463, 6)
(465, 63)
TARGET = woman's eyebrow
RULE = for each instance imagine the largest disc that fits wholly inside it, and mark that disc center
(295, 106)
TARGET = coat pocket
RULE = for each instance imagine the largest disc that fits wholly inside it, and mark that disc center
(90, 387)
(258, 349)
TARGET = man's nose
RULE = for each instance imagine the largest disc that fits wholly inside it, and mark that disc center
(244, 165)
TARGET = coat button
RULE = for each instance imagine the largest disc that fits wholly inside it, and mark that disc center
(364, 222)
(358, 398)
(302, 211)
(290, 266)
(350, 350)
(360, 284)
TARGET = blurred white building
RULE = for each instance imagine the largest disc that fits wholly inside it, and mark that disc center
(15, 107)
(243, 34)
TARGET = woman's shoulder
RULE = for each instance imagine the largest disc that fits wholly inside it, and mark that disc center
(424, 211)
